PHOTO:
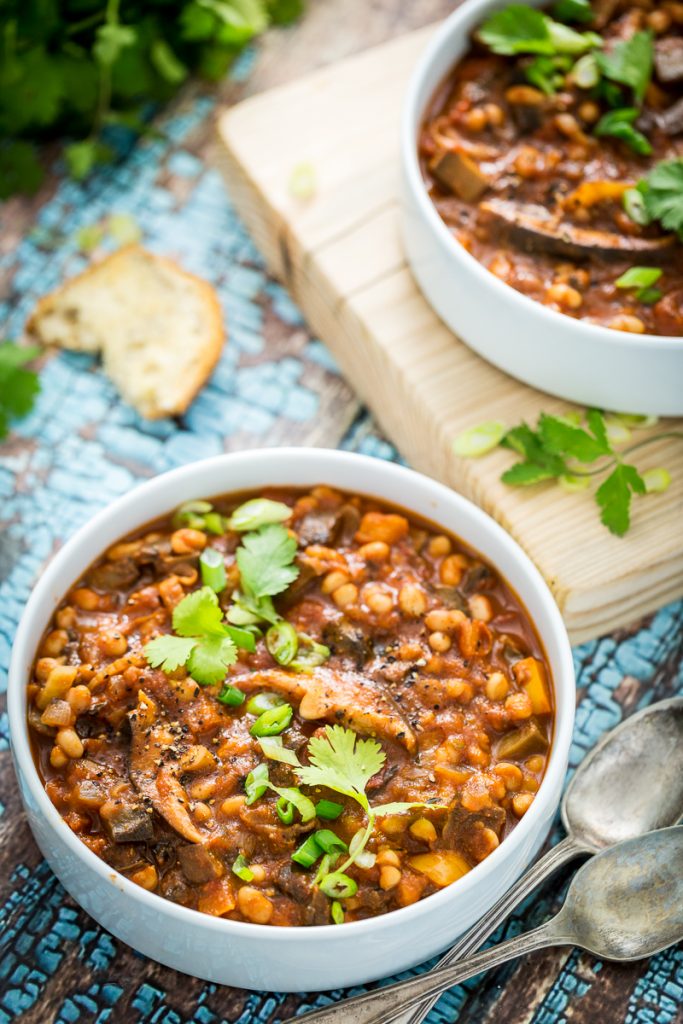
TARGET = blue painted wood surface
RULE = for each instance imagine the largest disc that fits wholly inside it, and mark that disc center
(82, 447)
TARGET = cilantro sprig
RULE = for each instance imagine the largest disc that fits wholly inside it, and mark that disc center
(80, 69)
(659, 197)
(559, 447)
(204, 643)
(339, 760)
(18, 386)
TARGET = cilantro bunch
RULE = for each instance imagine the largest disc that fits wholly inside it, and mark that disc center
(659, 197)
(559, 448)
(81, 69)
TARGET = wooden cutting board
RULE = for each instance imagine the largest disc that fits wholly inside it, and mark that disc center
(340, 255)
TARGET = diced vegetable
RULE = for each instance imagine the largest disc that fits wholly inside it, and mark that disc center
(528, 739)
(530, 675)
(442, 867)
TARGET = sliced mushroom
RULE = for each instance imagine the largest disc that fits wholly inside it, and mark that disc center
(535, 229)
(150, 739)
(669, 59)
(460, 174)
(129, 824)
(346, 698)
(199, 865)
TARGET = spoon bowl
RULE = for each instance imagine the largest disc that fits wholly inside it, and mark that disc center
(632, 782)
(627, 903)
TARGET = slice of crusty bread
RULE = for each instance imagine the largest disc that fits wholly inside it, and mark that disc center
(159, 329)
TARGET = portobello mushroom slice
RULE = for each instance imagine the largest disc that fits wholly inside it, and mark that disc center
(535, 229)
(342, 697)
(669, 59)
(153, 749)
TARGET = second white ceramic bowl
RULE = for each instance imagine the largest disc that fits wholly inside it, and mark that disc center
(258, 956)
(584, 363)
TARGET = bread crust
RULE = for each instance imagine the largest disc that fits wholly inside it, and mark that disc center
(207, 355)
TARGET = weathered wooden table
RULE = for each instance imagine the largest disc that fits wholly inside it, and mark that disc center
(275, 385)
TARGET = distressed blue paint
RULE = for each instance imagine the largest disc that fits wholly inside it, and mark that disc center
(82, 447)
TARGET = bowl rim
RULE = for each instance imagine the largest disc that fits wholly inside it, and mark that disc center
(452, 31)
(370, 468)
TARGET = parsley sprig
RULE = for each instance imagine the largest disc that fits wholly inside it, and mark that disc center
(552, 450)
(18, 386)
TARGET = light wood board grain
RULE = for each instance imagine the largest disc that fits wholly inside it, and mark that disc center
(340, 254)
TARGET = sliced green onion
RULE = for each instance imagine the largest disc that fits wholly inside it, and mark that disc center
(213, 569)
(213, 522)
(336, 912)
(365, 859)
(243, 638)
(256, 783)
(328, 809)
(329, 842)
(639, 277)
(617, 433)
(476, 441)
(261, 702)
(634, 205)
(338, 886)
(636, 421)
(656, 480)
(273, 748)
(302, 183)
(648, 296)
(231, 696)
(285, 811)
(573, 483)
(304, 806)
(256, 513)
(586, 71)
(566, 40)
(192, 513)
(283, 642)
(307, 854)
(273, 722)
(241, 869)
(310, 655)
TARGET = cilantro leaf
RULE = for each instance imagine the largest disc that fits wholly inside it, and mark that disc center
(562, 438)
(265, 560)
(18, 387)
(662, 192)
(211, 658)
(169, 652)
(573, 10)
(523, 474)
(614, 497)
(521, 29)
(619, 125)
(630, 63)
(20, 169)
(198, 613)
(517, 29)
(341, 761)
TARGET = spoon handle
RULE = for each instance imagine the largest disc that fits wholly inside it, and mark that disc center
(477, 935)
(382, 1004)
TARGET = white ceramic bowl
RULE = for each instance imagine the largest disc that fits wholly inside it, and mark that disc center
(258, 956)
(584, 363)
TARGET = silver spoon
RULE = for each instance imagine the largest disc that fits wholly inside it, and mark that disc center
(630, 783)
(624, 904)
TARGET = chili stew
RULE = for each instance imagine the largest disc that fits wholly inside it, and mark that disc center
(291, 708)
